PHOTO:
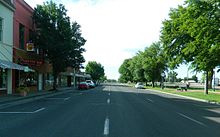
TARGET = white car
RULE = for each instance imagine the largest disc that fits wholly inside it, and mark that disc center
(139, 85)
(90, 83)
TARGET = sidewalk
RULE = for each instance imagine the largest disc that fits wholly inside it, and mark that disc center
(15, 99)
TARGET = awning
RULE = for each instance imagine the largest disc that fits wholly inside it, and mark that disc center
(10, 65)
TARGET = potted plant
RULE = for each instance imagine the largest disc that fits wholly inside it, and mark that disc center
(23, 91)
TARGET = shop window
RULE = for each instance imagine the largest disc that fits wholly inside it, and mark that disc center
(21, 36)
(3, 78)
(1, 29)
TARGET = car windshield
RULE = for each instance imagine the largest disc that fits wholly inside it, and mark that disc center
(140, 83)
(109, 68)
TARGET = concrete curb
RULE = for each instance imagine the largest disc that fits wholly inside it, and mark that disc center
(191, 98)
(24, 100)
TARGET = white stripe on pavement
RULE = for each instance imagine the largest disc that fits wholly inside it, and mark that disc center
(106, 127)
(150, 100)
(41, 109)
(20, 112)
(67, 98)
(108, 101)
(196, 121)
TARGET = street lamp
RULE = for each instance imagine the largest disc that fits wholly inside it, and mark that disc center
(162, 82)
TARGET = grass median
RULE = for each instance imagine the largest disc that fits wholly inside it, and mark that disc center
(213, 96)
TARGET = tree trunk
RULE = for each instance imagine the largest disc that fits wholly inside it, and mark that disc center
(153, 84)
(206, 83)
(210, 79)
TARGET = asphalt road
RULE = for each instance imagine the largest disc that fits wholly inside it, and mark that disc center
(111, 111)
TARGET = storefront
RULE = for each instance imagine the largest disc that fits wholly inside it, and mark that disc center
(6, 68)
(35, 80)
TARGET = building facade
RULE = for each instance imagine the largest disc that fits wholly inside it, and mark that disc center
(6, 46)
(26, 53)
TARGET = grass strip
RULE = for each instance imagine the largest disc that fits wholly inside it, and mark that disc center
(212, 96)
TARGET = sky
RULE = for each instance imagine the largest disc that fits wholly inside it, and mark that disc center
(117, 29)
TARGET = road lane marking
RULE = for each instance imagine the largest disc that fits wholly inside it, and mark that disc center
(67, 98)
(41, 109)
(196, 121)
(150, 100)
(106, 127)
(59, 98)
(108, 101)
(109, 94)
(20, 112)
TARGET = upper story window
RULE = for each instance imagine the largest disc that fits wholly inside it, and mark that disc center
(1, 29)
(21, 36)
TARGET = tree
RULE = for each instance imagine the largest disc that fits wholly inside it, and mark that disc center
(125, 73)
(195, 78)
(154, 62)
(172, 76)
(96, 70)
(192, 35)
(60, 41)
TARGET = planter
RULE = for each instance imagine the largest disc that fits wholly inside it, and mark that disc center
(23, 91)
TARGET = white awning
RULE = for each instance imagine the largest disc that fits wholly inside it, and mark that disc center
(10, 65)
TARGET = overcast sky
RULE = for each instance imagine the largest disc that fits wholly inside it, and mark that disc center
(117, 29)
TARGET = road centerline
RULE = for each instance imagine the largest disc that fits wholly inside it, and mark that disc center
(106, 127)
(108, 101)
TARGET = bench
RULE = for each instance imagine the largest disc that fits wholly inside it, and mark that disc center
(182, 87)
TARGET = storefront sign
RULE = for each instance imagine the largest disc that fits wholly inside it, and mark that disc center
(30, 46)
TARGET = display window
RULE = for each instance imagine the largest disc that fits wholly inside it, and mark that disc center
(3, 78)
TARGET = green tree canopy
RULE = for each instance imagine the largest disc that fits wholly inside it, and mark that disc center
(59, 39)
(145, 66)
(125, 73)
(192, 35)
(96, 70)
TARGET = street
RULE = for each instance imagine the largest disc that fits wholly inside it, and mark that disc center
(111, 111)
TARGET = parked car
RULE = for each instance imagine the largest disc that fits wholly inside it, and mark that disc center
(140, 85)
(83, 85)
(90, 83)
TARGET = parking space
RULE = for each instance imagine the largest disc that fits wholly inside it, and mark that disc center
(37, 105)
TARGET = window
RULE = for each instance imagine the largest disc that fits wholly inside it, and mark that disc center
(21, 36)
(1, 28)
(3, 78)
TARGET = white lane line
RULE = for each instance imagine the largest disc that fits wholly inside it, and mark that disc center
(56, 98)
(32, 112)
(108, 101)
(106, 127)
(16, 112)
(67, 98)
(196, 121)
(59, 98)
(150, 100)
(41, 109)
(109, 94)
